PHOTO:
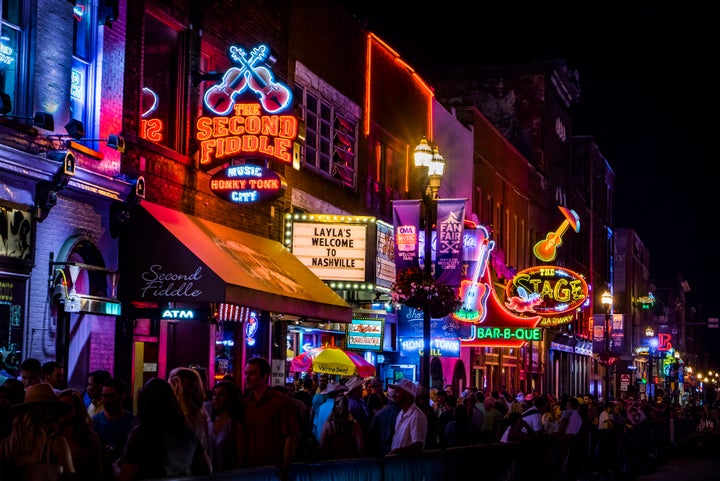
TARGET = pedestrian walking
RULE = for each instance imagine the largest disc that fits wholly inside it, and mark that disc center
(162, 444)
(190, 392)
(271, 426)
(341, 436)
(225, 427)
(411, 423)
(382, 427)
(35, 444)
(113, 424)
(77, 428)
(96, 380)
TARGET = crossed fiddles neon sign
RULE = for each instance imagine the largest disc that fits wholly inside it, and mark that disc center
(249, 75)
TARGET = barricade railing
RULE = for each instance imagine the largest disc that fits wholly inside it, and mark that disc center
(598, 454)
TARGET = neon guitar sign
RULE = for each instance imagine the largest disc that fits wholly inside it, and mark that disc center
(473, 293)
(546, 249)
(274, 96)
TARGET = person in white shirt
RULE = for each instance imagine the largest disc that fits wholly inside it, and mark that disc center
(570, 420)
(411, 423)
(534, 414)
(605, 418)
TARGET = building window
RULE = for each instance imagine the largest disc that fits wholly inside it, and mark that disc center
(331, 140)
(161, 110)
(11, 52)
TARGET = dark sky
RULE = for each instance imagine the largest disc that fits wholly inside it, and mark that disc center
(649, 97)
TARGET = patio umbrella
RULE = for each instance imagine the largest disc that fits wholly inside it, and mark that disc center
(332, 360)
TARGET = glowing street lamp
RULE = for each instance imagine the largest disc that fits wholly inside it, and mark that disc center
(607, 300)
(433, 165)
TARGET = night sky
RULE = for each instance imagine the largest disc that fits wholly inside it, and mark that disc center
(649, 98)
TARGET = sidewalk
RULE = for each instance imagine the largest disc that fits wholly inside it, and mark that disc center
(695, 459)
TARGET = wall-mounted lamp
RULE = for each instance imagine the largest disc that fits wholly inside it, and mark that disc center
(46, 190)
(40, 119)
(76, 130)
(120, 212)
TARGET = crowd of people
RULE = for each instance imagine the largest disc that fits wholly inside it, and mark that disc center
(183, 426)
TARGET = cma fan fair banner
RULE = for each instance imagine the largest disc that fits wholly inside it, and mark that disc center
(406, 223)
(449, 241)
(245, 110)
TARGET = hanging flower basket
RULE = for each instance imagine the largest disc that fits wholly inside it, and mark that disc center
(417, 289)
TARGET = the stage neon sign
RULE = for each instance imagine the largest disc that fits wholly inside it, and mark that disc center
(548, 291)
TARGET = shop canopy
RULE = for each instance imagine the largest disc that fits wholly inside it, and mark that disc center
(180, 258)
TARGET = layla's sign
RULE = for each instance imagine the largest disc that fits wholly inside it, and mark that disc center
(333, 247)
(547, 291)
(245, 103)
(245, 184)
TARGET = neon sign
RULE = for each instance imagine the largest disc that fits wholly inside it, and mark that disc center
(150, 129)
(246, 132)
(546, 249)
(247, 183)
(245, 107)
(546, 291)
(491, 323)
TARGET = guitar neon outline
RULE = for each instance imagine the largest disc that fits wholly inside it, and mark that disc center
(234, 82)
(546, 249)
(274, 96)
(473, 293)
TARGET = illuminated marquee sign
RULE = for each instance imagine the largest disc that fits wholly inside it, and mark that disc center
(548, 291)
(246, 106)
(333, 247)
(245, 184)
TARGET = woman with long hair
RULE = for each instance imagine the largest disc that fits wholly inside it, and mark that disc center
(341, 436)
(34, 439)
(190, 393)
(224, 428)
(162, 443)
(85, 446)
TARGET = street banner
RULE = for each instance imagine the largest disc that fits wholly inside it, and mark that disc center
(449, 241)
(406, 223)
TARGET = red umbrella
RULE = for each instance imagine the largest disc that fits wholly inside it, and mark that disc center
(332, 360)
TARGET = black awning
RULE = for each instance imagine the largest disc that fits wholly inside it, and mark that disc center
(176, 257)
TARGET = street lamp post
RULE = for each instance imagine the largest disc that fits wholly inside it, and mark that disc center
(607, 300)
(650, 333)
(433, 165)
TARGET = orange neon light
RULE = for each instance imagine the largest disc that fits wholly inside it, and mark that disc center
(546, 249)
(152, 129)
(248, 131)
(372, 38)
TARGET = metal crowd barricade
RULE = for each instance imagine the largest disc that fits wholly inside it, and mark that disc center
(598, 455)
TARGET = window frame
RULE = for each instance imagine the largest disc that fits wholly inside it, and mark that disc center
(331, 134)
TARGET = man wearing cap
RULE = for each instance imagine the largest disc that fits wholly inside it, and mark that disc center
(411, 424)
